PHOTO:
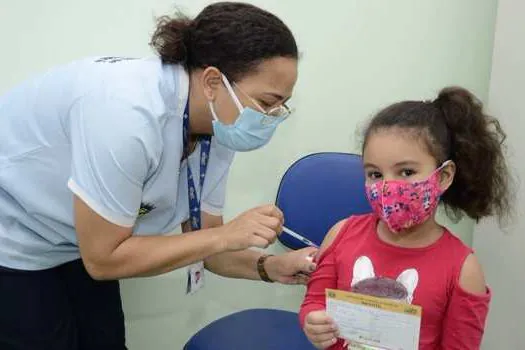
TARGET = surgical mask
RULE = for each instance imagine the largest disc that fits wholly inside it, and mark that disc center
(252, 129)
(402, 204)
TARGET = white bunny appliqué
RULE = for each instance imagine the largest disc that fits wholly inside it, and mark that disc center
(364, 281)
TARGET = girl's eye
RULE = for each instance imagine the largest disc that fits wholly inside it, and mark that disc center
(374, 175)
(407, 172)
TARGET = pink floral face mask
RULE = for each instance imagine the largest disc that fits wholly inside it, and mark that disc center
(402, 204)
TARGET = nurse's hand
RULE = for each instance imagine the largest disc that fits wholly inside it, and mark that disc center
(257, 227)
(293, 267)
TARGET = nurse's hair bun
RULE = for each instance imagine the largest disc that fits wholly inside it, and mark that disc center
(171, 38)
(230, 36)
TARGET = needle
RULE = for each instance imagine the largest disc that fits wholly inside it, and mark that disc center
(299, 237)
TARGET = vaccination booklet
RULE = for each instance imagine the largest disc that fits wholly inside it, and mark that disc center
(370, 323)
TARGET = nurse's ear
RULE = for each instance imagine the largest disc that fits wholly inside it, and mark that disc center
(211, 80)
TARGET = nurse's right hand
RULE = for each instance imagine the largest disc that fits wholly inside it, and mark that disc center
(257, 227)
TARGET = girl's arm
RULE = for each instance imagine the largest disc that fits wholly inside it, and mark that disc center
(467, 311)
(325, 276)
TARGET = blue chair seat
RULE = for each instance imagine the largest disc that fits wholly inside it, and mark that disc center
(252, 329)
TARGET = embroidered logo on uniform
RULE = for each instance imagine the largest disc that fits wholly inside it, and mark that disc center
(112, 59)
(145, 208)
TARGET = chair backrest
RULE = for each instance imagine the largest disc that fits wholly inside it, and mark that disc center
(319, 190)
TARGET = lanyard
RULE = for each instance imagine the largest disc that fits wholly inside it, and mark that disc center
(194, 199)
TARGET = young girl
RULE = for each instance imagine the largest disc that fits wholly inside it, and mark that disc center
(415, 155)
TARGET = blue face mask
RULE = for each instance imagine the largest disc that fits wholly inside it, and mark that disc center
(252, 129)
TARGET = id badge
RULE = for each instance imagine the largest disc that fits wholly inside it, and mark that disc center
(195, 277)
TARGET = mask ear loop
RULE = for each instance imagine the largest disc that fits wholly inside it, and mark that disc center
(442, 166)
(445, 163)
(232, 93)
(213, 113)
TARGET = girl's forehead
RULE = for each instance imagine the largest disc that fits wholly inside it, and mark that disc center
(387, 147)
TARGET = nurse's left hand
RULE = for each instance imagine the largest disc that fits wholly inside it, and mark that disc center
(293, 267)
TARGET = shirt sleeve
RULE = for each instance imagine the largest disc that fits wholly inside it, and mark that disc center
(465, 319)
(112, 153)
(214, 193)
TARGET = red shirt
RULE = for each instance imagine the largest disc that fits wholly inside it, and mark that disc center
(358, 261)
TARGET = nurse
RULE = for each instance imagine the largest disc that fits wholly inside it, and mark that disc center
(101, 157)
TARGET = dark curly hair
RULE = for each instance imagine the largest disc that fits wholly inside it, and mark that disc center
(233, 37)
(455, 127)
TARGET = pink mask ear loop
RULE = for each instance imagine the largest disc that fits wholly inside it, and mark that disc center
(445, 163)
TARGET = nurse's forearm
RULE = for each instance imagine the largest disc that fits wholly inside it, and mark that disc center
(161, 254)
(141, 256)
(242, 264)
(111, 252)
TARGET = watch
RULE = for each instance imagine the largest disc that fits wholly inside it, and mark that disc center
(260, 268)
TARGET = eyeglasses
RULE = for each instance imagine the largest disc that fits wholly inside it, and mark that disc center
(281, 111)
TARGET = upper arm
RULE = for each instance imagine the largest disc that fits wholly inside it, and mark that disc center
(330, 237)
(471, 278)
(467, 309)
(97, 237)
(325, 275)
(112, 152)
(111, 158)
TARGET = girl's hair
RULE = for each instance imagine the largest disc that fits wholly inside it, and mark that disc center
(233, 37)
(455, 127)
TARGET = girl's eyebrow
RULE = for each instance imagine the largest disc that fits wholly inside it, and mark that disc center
(406, 163)
(369, 165)
(398, 164)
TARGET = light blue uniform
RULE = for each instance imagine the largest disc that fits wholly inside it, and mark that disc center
(109, 131)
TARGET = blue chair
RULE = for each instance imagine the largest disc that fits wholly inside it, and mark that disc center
(316, 192)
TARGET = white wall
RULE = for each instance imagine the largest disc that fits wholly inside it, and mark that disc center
(358, 55)
(503, 253)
